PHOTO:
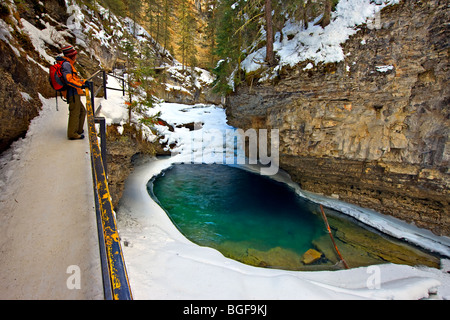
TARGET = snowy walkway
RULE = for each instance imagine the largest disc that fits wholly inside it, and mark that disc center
(48, 233)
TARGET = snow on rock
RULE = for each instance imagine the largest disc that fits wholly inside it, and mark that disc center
(320, 45)
(384, 68)
(40, 38)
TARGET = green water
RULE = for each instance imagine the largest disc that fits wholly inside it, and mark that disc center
(259, 221)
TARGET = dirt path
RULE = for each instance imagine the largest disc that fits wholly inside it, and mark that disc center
(48, 234)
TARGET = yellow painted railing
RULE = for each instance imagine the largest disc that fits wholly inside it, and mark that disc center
(115, 278)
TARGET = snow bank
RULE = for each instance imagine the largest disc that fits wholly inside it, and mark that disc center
(113, 109)
(210, 124)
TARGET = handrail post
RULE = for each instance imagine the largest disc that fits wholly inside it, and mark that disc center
(104, 85)
(102, 122)
(90, 86)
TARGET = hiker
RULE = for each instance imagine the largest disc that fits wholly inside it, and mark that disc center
(75, 86)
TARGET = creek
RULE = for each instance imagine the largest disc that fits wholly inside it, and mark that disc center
(262, 222)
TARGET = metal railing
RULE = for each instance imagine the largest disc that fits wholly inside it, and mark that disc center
(101, 120)
(115, 278)
(105, 82)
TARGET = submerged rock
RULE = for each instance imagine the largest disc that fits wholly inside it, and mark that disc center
(276, 257)
(311, 256)
(273, 258)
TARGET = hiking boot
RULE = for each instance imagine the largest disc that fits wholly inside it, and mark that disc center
(77, 137)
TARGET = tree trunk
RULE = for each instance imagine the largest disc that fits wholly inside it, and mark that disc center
(326, 15)
(270, 57)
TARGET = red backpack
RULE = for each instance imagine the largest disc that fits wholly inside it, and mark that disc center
(55, 76)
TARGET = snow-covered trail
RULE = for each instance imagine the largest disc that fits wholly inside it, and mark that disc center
(48, 233)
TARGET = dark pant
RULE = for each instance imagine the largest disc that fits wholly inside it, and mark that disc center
(77, 116)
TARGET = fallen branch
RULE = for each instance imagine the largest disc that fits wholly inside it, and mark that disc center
(332, 238)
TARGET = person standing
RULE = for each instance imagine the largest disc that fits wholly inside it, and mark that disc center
(75, 86)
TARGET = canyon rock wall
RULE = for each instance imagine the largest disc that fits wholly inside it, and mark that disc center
(21, 77)
(373, 129)
(23, 69)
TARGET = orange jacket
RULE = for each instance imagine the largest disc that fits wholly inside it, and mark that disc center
(73, 81)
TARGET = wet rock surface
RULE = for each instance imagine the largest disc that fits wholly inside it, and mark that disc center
(122, 150)
(359, 247)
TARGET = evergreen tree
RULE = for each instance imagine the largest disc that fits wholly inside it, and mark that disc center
(144, 74)
(139, 78)
(129, 48)
(328, 7)
(153, 15)
(300, 10)
(134, 9)
(187, 29)
(210, 13)
(326, 14)
(115, 6)
(158, 15)
(227, 48)
(238, 27)
(168, 6)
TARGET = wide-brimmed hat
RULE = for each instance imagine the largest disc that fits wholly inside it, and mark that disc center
(69, 51)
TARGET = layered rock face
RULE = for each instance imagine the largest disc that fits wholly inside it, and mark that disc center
(373, 129)
(21, 78)
(19, 104)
